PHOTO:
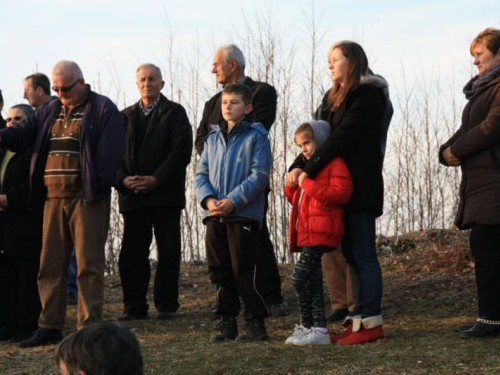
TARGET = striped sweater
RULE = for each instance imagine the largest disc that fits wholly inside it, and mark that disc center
(63, 169)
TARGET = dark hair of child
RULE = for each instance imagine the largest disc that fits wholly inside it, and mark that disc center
(240, 89)
(101, 349)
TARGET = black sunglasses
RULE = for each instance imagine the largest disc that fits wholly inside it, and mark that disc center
(65, 89)
(16, 118)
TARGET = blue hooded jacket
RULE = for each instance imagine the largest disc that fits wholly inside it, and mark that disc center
(237, 169)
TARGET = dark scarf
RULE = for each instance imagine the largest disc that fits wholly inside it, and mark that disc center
(478, 82)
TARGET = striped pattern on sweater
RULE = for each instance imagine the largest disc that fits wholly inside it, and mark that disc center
(63, 168)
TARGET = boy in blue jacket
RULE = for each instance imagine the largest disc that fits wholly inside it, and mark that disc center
(231, 178)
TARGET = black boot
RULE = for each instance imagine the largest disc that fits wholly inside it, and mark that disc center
(41, 337)
(481, 330)
(226, 329)
(255, 331)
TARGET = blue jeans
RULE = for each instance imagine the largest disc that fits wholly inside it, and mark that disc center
(359, 251)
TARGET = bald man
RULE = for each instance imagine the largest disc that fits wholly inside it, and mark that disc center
(78, 143)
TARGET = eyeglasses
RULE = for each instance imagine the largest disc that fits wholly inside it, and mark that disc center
(65, 89)
(16, 118)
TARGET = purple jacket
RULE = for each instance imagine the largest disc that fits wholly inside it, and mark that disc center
(102, 144)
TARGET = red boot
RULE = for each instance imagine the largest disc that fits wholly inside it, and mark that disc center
(348, 322)
(370, 330)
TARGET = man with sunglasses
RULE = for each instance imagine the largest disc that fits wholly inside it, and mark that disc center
(78, 143)
(37, 93)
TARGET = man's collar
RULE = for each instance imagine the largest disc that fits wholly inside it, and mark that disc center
(241, 80)
(150, 107)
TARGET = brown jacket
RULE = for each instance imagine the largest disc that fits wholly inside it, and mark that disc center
(477, 145)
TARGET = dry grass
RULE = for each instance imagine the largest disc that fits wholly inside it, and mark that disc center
(429, 292)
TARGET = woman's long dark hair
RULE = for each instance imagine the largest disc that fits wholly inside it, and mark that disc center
(357, 66)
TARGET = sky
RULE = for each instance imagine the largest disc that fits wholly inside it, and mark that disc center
(110, 38)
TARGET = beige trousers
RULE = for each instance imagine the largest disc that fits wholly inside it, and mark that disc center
(338, 280)
(69, 221)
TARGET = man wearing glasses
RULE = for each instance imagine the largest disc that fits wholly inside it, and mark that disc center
(78, 143)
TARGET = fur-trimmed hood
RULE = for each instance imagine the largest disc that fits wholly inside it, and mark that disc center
(377, 81)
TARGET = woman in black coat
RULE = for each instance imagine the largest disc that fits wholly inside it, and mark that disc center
(20, 242)
(476, 148)
(355, 108)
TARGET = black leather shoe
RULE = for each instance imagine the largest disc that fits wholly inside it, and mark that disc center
(337, 315)
(22, 335)
(481, 330)
(127, 317)
(466, 327)
(41, 337)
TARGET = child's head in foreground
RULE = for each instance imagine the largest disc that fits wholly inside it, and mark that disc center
(100, 349)
(236, 102)
(311, 135)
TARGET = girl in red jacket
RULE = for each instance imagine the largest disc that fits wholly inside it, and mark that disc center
(316, 227)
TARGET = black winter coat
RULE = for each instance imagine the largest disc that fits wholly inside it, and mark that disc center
(22, 222)
(165, 153)
(264, 100)
(477, 145)
(357, 136)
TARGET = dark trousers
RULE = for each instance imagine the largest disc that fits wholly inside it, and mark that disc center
(134, 258)
(360, 253)
(231, 256)
(20, 304)
(268, 276)
(485, 247)
(307, 280)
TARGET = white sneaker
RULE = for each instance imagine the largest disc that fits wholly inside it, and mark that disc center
(313, 337)
(297, 335)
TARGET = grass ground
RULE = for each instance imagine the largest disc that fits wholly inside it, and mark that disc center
(428, 292)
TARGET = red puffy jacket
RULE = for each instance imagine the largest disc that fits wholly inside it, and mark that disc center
(320, 218)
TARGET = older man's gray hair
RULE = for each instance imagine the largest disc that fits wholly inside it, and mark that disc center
(232, 52)
(151, 66)
(70, 66)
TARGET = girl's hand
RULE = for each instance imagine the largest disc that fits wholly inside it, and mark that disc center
(302, 177)
(292, 178)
